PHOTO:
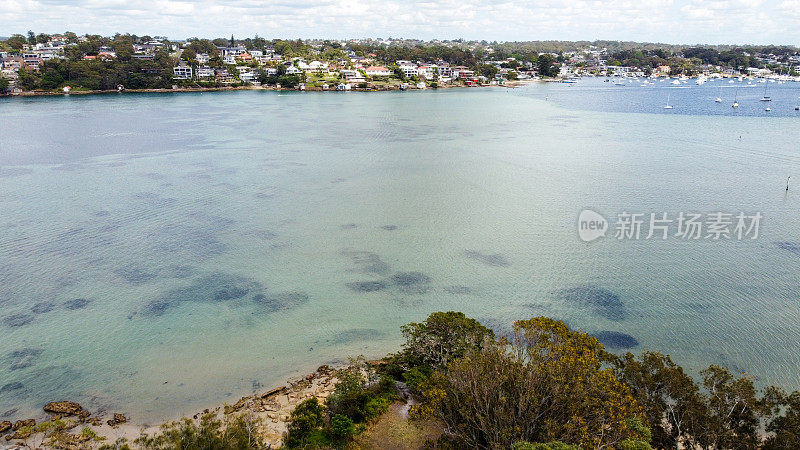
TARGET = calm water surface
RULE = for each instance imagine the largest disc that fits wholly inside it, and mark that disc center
(162, 253)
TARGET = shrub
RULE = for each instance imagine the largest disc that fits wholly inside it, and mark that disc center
(416, 377)
(341, 427)
(349, 398)
(230, 433)
(306, 418)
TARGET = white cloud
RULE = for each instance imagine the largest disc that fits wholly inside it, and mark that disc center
(676, 21)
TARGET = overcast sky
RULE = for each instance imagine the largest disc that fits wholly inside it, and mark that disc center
(671, 21)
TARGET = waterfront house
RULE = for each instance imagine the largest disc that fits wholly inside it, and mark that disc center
(377, 71)
(462, 72)
(205, 72)
(352, 76)
(429, 72)
(182, 72)
(408, 69)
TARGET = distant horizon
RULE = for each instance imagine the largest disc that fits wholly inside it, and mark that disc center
(670, 22)
(244, 37)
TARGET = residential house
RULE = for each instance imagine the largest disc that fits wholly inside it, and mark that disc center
(244, 57)
(377, 71)
(429, 72)
(462, 72)
(445, 71)
(246, 74)
(182, 72)
(409, 69)
(202, 58)
(32, 61)
(13, 63)
(662, 70)
(205, 72)
(352, 76)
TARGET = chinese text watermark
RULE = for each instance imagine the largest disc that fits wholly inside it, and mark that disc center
(662, 225)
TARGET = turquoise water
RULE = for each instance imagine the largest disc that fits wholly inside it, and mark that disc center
(163, 253)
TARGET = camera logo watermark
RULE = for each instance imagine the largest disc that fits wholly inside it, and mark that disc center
(686, 226)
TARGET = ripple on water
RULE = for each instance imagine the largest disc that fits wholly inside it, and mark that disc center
(793, 247)
(367, 262)
(18, 320)
(77, 303)
(280, 301)
(601, 301)
(493, 260)
(367, 286)
(412, 282)
(356, 335)
(213, 288)
(11, 387)
(458, 290)
(616, 340)
(22, 358)
(43, 307)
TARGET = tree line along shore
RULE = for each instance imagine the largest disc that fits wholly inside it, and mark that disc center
(68, 62)
(458, 384)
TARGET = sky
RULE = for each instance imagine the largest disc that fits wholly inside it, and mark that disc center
(667, 21)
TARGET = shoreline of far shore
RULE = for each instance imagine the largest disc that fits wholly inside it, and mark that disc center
(508, 84)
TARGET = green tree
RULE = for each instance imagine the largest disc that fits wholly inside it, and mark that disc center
(547, 65)
(16, 41)
(734, 409)
(671, 399)
(442, 337)
(784, 427)
(3, 85)
(547, 383)
(306, 418)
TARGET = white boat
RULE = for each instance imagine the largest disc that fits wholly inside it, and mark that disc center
(766, 98)
(768, 109)
(718, 100)
(676, 82)
(667, 106)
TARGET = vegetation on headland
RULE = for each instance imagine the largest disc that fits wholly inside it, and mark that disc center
(99, 63)
(540, 386)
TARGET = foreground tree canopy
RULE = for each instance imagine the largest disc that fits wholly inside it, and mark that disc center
(540, 386)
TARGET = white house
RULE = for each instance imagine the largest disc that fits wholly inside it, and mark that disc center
(409, 70)
(182, 72)
(429, 72)
(377, 71)
(205, 72)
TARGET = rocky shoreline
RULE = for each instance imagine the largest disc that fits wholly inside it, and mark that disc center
(67, 425)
